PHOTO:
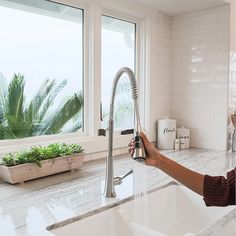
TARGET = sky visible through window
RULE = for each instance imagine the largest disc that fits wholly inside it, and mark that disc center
(40, 45)
(118, 50)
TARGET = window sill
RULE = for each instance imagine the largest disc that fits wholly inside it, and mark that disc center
(91, 145)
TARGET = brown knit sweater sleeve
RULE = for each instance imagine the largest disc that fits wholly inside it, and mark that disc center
(218, 190)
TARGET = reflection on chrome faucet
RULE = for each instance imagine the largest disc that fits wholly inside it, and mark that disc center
(139, 152)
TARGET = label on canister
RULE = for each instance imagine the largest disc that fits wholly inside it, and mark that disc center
(182, 143)
(177, 144)
(166, 134)
(183, 133)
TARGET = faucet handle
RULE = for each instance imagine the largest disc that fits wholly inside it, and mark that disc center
(102, 132)
(131, 171)
(101, 115)
(118, 180)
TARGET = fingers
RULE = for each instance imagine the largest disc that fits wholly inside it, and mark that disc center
(131, 147)
(145, 139)
(131, 151)
(131, 142)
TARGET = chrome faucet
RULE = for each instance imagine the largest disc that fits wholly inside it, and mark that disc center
(139, 151)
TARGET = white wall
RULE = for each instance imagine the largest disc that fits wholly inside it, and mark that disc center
(199, 75)
(233, 25)
(160, 70)
(232, 77)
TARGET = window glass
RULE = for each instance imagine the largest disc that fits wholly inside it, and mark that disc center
(118, 50)
(41, 69)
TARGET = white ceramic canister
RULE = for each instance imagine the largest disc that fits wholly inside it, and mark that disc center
(166, 134)
(183, 133)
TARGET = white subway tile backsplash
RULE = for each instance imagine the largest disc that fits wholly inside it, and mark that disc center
(207, 28)
(218, 144)
(210, 17)
(160, 63)
(199, 75)
(223, 14)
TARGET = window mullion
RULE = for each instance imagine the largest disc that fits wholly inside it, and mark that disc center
(95, 68)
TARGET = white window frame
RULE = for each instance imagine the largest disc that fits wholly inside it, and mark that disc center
(92, 80)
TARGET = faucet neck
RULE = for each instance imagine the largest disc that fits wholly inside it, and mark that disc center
(109, 182)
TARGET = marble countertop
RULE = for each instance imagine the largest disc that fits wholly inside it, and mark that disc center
(27, 209)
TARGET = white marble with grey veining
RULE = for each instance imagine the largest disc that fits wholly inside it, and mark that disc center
(29, 208)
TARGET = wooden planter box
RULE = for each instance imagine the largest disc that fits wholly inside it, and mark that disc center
(24, 172)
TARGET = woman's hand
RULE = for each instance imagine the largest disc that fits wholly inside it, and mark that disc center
(151, 152)
(187, 177)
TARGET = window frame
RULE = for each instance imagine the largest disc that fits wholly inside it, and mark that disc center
(92, 13)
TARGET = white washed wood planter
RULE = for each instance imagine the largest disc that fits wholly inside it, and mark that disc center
(24, 172)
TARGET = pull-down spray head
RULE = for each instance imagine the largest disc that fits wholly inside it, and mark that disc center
(139, 150)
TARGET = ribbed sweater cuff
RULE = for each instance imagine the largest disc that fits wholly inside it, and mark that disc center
(219, 191)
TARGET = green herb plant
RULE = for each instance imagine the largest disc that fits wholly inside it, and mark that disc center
(38, 153)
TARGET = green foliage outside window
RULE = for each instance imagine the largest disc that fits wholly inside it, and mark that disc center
(19, 120)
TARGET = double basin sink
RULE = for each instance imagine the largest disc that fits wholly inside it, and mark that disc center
(171, 210)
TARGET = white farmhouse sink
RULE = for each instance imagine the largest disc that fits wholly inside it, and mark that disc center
(173, 210)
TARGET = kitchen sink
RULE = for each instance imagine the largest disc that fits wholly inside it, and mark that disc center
(172, 210)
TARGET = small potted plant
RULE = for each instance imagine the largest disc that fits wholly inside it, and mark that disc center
(40, 161)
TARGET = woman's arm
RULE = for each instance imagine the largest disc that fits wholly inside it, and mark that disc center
(216, 190)
(187, 177)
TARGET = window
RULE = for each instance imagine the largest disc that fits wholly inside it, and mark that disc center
(57, 62)
(118, 50)
(41, 69)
